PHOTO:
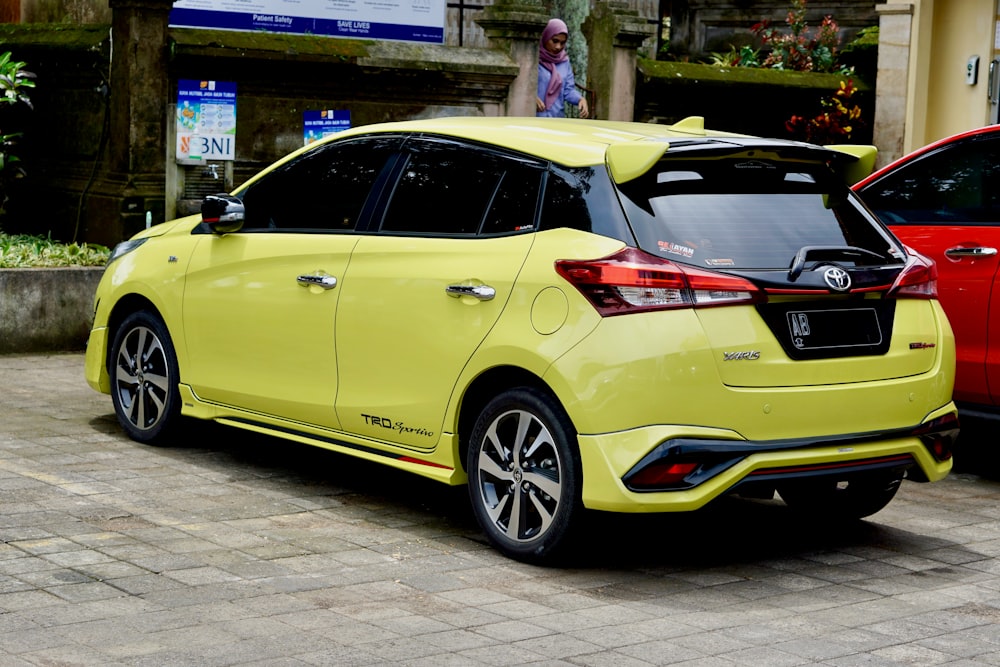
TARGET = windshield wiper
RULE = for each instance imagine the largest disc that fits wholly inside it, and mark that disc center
(823, 253)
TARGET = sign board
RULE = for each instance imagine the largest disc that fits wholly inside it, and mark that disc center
(401, 20)
(319, 124)
(206, 121)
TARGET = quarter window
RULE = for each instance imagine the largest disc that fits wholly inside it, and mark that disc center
(583, 198)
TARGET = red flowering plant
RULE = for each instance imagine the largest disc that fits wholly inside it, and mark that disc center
(835, 124)
(800, 49)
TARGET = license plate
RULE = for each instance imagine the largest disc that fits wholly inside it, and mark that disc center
(840, 328)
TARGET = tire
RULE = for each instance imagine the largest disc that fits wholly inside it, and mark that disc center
(851, 500)
(525, 475)
(144, 379)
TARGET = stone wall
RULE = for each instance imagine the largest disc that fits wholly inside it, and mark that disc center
(66, 135)
(45, 310)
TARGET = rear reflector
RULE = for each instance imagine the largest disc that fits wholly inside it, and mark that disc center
(661, 474)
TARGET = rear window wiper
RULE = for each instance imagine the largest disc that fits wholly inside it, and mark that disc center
(820, 253)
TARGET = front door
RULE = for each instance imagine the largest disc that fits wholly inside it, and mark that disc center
(260, 304)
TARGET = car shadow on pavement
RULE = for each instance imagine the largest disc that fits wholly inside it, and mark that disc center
(977, 451)
(731, 531)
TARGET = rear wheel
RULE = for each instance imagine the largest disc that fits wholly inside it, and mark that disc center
(144, 378)
(524, 475)
(843, 500)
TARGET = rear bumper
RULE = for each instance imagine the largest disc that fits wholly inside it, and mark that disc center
(726, 466)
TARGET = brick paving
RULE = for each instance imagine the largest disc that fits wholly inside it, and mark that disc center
(235, 549)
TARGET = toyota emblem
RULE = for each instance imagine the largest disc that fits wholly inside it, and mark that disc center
(838, 279)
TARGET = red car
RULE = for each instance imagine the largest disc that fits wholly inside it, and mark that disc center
(943, 200)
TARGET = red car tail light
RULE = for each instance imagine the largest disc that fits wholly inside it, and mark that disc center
(918, 280)
(634, 281)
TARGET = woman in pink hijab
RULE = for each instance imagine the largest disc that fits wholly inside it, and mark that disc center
(556, 84)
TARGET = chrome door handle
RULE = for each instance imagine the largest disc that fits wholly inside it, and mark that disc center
(978, 251)
(326, 282)
(481, 292)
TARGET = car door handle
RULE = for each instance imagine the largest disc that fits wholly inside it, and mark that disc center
(324, 281)
(481, 292)
(978, 251)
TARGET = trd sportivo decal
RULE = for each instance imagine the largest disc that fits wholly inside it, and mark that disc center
(746, 355)
(399, 427)
(395, 456)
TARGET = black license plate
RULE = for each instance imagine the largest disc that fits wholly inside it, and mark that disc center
(832, 329)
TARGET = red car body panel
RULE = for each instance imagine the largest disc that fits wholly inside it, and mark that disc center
(967, 254)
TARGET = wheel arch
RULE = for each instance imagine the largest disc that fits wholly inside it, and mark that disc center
(125, 306)
(485, 387)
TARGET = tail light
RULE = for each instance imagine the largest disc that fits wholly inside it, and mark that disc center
(918, 280)
(632, 281)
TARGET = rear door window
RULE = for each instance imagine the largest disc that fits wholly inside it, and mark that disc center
(748, 213)
(957, 184)
(448, 188)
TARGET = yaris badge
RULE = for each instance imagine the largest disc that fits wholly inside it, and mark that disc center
(838, 279)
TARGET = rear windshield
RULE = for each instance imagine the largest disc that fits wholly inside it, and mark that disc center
(748, 213)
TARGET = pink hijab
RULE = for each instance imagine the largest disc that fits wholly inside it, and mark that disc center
(548, 61)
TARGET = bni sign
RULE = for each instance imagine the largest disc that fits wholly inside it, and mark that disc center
(206, 121)
(318, 125)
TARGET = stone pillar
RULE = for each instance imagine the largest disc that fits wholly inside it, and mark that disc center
(131, 184)
(892, 88)
(515, 27)
(614, 34)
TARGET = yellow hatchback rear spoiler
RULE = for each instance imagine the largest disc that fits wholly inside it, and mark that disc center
(629, 160)
(864, 165)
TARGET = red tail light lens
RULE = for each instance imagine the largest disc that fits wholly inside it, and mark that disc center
(634, 281)
(918, 279)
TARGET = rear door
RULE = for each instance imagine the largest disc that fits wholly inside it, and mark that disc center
(424, 290)
(946, 205)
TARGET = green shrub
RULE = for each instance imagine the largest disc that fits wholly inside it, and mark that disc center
(23, 251)
(14, 84)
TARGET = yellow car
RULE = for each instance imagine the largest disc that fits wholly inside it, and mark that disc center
(563, 314)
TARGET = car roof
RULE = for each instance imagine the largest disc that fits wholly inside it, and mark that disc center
(568, 141)
(574, 142)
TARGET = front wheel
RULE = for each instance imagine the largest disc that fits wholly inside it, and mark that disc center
(144, 377)
(525, 475)
(855, 498)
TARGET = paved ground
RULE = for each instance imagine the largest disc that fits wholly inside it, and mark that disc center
(232, 549)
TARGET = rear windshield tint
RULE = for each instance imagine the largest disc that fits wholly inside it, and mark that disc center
(748, 213)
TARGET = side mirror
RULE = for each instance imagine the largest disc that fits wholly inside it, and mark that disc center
(223, 213)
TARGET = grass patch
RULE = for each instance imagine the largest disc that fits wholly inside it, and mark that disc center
(30, 252)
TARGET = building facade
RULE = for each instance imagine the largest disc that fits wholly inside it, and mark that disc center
(934, 72)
